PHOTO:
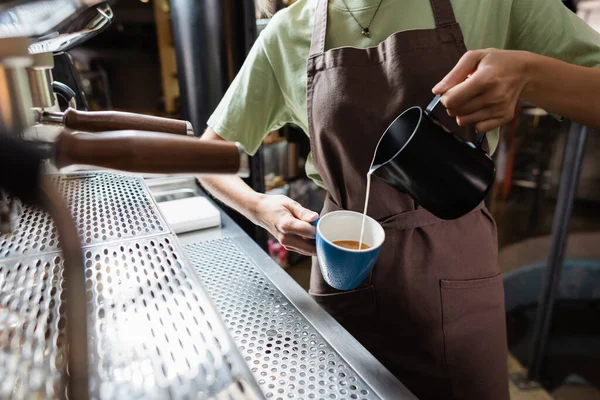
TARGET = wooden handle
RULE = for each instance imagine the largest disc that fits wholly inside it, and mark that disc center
(101, 121)
(147, 152)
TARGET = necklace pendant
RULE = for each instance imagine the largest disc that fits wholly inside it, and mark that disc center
(366, 32)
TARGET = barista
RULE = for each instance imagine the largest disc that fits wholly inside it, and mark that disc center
(432, 310)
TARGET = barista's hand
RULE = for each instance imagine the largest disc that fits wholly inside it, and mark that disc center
(488, 98)
(288, 222)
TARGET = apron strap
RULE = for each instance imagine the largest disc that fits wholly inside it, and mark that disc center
(443, 12)
(317, 44)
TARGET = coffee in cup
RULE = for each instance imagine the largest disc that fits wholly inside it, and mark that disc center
(351, 244)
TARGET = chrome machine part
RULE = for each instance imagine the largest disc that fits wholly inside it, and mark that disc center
(45, 18)
(15, 95)
(87, 24)
(153, 332)
(51, 118)
(190, 128)
(40, 80)
(37, 27)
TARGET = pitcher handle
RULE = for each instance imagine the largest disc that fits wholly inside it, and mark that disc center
(433, 104)
(479, 140)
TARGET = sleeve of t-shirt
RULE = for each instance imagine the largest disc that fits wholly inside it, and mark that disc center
(253, 105)
(549, 28)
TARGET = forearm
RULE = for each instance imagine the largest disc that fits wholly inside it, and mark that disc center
(234, 192)
(569, 90)
(231, 190)
(284, 218)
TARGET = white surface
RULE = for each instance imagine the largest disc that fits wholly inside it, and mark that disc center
(191, 214)
(345, 225)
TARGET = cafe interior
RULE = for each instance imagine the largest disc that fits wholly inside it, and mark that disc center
(122, 277)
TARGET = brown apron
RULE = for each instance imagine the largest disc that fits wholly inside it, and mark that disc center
(432, 310)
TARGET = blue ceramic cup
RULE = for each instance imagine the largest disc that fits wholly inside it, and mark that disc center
(342, 268)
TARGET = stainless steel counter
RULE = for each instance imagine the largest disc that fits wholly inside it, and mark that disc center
(154, 332)
(293, 347)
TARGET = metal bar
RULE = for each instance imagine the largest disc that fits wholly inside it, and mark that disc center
(200, 48)
(569, 183)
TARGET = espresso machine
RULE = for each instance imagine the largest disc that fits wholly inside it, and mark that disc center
(97, 297)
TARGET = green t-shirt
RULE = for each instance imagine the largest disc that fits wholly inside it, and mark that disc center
(270, 89)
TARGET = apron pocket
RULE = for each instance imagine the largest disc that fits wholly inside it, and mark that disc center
(474, 327)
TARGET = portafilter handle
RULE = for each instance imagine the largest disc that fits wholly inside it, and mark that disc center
(150, 152)
(102, 121)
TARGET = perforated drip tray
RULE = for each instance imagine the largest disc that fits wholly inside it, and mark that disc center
(286, 354)
(106, 208)
(153, 332)
(32, 328)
